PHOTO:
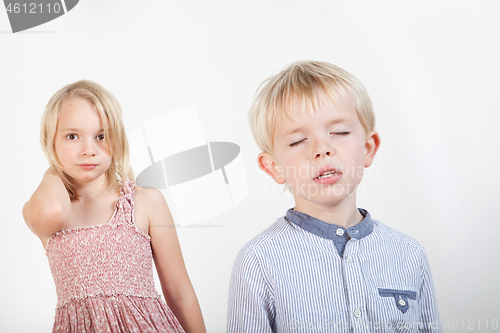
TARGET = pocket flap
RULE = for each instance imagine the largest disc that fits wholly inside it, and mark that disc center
(400, 296)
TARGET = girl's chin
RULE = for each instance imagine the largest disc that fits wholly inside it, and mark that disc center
(83, 178)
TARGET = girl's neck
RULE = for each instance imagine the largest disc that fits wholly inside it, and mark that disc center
(88, 191)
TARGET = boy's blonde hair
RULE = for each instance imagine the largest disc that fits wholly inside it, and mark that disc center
(111, 116)
(305, 80)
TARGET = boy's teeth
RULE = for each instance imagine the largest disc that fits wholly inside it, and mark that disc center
(328, 174)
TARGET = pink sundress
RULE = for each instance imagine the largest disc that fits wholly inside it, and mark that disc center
(104, 277)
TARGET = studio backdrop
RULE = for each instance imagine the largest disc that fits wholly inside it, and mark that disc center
(185, 73)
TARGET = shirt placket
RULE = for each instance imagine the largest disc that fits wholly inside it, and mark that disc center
(355, 289)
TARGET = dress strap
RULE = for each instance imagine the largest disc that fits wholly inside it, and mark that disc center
(125, 203)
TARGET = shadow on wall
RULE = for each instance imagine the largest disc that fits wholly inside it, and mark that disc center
(202, 179)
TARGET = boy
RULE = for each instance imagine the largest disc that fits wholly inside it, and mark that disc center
(326, 266)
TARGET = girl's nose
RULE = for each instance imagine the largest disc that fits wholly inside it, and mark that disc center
(88, 148)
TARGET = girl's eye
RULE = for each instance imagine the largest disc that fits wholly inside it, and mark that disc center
(296, 143)
(100, 137)
(341, 133)
(72, 136)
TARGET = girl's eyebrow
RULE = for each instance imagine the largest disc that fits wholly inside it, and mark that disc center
(77, 129)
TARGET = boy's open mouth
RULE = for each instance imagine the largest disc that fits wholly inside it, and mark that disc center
(326, 172)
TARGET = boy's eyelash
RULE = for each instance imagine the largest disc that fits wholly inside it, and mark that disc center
(336, 133)
(296, 143)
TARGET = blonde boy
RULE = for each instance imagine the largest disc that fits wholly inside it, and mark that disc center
(326, 266)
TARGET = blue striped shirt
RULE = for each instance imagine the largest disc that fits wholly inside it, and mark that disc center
(305, 275)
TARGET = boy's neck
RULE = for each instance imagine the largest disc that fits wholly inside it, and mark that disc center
(341, 215)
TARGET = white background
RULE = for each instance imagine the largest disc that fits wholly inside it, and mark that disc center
(431, 68)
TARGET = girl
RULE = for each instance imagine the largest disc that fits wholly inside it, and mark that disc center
(99, 230)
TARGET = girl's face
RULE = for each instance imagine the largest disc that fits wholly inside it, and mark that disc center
(80, 143)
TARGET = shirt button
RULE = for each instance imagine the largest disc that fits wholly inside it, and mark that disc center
(357, 313)
(402, 302)
(349, 259)
(339, 232)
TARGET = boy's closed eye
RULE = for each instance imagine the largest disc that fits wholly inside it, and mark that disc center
(293, 144)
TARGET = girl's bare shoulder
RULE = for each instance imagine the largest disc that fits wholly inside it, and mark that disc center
(147, 196)
(150, 208)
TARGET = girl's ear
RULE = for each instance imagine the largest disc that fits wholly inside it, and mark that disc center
(371, 147)
(269, 166)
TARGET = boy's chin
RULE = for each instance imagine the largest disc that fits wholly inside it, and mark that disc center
(324, 201)
(325, 194)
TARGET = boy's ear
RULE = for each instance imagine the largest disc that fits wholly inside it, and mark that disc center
(371, 147)
(268, 165)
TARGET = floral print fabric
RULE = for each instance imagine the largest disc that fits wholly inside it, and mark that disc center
(104, 276)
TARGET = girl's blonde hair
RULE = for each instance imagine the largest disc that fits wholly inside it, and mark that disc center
(305, 80)
(111, 116)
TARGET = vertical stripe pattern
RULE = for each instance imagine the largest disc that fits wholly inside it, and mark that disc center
(288, 279)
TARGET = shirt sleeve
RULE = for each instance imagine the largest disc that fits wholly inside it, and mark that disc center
(429, 315)
(250, 306)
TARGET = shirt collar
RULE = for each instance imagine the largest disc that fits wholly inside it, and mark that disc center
(331, 231)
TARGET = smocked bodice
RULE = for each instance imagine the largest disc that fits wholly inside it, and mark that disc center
(103, 260)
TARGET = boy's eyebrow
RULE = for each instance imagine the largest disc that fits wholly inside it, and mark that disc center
(332, 122)
(338, 121)
(298, 129)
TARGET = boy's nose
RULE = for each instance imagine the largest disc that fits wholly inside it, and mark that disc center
(327, 153)
(323, 148)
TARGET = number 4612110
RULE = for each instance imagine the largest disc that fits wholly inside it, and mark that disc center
(471, 324)
(33, 8)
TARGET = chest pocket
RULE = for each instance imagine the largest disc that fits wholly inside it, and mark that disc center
(401, 297)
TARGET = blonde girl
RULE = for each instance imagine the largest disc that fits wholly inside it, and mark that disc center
(100, 231)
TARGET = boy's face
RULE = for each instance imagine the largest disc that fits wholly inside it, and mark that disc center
(322, 155)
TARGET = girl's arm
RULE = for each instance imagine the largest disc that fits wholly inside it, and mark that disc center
(48, 208)
(177, 289)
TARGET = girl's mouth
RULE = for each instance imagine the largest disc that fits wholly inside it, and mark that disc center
(88, 166)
